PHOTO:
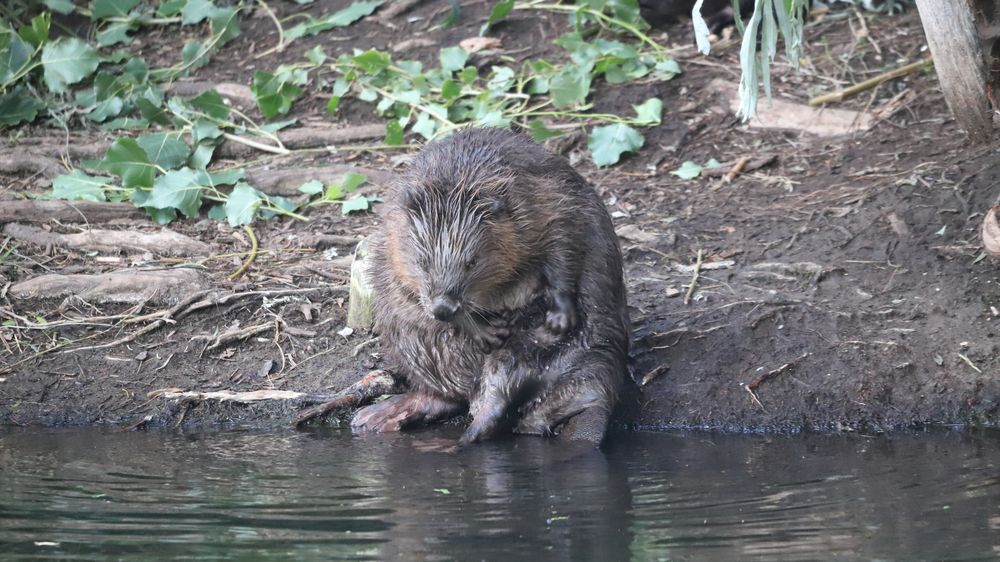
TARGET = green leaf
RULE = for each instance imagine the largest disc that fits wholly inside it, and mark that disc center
(67, 60)
(242, 205)
(372, 61)
(453, 59)
(342, 18)
(196, 10)
(177, 189)
(215, 179)
(501, 80)
(609, 142)
(38, 31)
(217, 212)
(15, 53)
(454, 15)
(115, 33)
(356, 203)
(311, 187)
(468, 75)
(499, 12)
(212, 104)
(225, 24)
(333, 104)
(273, 94)
(352, 181)
(688, 170)
(649, 112)
(283, 203)
(569, 87)
(18, 105)
(170, 8)
(450, 89)
(425, 125)
(540, 132)
(193, 55)
(127, 160)
(125, 123)
(60, 6)
(100, 9)
(316, 55)
(78, 186)
(166, 150)
(393, 133)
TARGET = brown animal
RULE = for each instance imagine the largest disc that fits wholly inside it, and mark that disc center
(499, 290)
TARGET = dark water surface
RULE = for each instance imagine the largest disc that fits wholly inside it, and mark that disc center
(91, 494)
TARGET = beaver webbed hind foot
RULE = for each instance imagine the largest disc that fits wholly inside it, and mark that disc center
(405, 410)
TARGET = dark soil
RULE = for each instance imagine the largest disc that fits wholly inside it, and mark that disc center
(842, 285)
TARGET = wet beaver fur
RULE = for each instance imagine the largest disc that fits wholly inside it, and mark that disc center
(499, 291)
(718, 14)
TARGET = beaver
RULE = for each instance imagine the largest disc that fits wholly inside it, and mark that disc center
(499, 291)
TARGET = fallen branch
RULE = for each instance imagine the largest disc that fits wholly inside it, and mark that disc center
(129, 286)
(834, 97)
(68, 211)
(309, 137)
(235, 335)
(165, 242)
(287, 181)
(372, 385)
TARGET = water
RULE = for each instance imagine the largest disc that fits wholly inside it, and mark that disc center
(88, 494)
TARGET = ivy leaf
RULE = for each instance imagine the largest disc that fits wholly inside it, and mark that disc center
(67, 60)
(311, 187)
(212, 104)
(177, 189)
(166, 150)
(127, 160)
(100, 9)
(499, 12)
(688, 170)
(649, 112)
(453, 59)
(18, 105)
(274, 95)
(78, 186)
(342, 18)
(609, 142)
(242, 205)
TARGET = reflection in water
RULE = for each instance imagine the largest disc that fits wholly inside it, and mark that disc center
(331, 495)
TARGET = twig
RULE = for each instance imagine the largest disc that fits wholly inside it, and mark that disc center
(250, 258)
(372, 385)
(694, 279)
(281, 31)
(834, 97)
(752, 385)
(235, 335)
(970, 363)
(254, 144)
(736, 170)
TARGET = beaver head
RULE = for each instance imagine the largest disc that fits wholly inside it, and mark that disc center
(458, 245)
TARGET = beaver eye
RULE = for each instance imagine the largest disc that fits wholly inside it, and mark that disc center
(470, 264)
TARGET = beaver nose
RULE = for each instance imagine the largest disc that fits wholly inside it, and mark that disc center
(444, 308)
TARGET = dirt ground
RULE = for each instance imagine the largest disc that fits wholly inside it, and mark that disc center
(842, 286)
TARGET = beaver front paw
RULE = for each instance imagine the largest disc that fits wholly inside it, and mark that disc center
(562, 318)
(490, 336)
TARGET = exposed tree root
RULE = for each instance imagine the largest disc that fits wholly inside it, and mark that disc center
(129, 286)
(68, 211)
(164, 243)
